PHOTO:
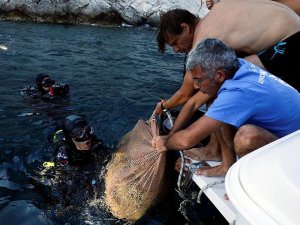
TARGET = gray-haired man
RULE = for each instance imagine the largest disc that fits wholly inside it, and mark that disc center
(260, 105)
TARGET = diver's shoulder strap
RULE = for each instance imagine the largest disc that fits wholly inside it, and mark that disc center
(58, 138)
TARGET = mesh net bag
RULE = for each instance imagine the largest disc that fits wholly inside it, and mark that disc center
(135, 176)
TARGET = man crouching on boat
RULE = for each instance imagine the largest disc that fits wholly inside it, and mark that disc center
(260, 105)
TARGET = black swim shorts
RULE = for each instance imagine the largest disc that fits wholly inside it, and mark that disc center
(283, 60)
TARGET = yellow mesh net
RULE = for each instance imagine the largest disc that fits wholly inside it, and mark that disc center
(135, 176)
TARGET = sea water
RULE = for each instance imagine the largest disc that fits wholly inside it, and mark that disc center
(116, 76)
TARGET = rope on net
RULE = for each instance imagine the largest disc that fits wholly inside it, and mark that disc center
(209, 185)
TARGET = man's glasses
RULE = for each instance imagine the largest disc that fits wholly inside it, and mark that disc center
(199, 80)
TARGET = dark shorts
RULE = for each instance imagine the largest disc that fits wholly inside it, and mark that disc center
(283, 60)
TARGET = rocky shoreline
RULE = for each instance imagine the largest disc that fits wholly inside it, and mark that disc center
(94, 12)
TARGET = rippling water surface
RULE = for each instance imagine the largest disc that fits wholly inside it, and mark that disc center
(116, 76)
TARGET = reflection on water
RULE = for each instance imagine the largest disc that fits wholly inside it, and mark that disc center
(116, 76)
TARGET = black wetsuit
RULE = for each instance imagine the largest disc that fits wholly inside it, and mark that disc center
(283, 61)
(80, 179)
(30, 92)
(59, 90)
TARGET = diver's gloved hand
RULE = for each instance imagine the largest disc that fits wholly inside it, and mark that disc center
(59, 89)
(30, 91)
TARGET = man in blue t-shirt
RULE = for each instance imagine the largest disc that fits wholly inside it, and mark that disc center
(261, 106)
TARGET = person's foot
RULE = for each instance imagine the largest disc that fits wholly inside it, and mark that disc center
(210, 4)
(226, 197)
(216, 171)
(203, 154)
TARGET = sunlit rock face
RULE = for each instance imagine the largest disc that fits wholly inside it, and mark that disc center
(99, 12)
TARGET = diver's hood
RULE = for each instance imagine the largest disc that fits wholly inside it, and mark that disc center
(39, 79)
(72, 122)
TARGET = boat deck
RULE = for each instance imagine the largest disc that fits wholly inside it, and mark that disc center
(216, 194)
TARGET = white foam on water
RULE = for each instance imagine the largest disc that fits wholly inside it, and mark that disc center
(3, 47)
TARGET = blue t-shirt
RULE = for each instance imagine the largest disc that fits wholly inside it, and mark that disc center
(254, 96)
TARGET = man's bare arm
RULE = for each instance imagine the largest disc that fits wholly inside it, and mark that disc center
(185, 92)
(187, 138)
(188, 110)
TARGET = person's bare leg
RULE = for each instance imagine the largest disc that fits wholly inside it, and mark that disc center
(211, 151)
(225, 138)
(250, 137)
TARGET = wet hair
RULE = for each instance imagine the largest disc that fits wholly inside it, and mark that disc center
(212, 54)
(39, 79)
(170, 23)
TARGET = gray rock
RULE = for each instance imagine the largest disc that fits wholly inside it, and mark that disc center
(101, 12)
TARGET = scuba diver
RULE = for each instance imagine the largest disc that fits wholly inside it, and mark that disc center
(79, 145)
(46, 88)
(78, 164)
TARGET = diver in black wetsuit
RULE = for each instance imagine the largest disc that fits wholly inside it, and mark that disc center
(79, 145)
(46, 88)
(79, 162)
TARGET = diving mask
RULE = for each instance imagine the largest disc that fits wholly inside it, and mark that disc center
(47, 83)
(82, 134)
